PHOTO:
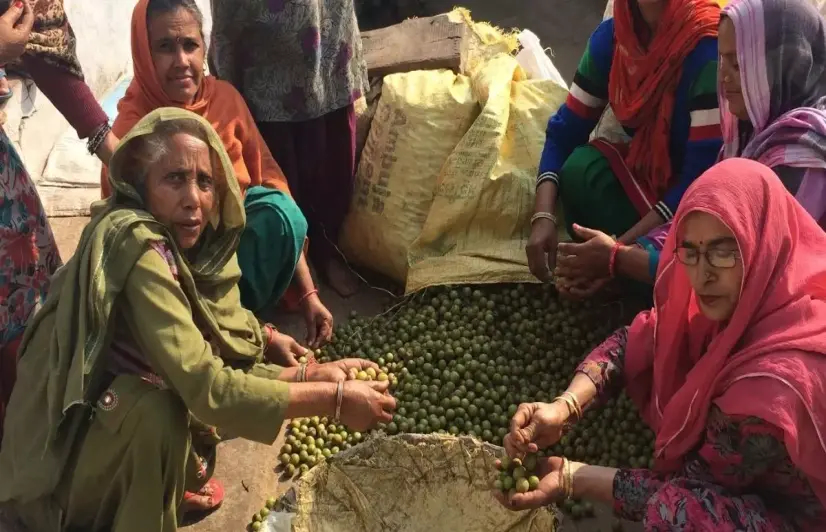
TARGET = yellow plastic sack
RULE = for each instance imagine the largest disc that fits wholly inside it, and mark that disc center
(420, 118)
(479, 221)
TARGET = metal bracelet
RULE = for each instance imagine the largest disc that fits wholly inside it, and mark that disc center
(302, 373)
(98, 137)
(545, 216)
(339, 399)
(574, 399)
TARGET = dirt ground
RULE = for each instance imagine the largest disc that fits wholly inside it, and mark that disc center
(247, 469)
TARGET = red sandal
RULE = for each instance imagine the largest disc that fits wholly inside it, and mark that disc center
(213, 490)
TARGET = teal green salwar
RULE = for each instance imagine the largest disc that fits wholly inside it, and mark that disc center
(270, 246)
(592, 196)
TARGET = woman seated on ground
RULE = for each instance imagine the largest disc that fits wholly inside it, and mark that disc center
(776, 44)
(655, 62)
(727, 370)
(143, 346)
(168, 53)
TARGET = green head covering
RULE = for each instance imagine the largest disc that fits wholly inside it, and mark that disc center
(61, 368)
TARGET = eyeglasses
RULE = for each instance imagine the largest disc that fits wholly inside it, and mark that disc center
(715, 257)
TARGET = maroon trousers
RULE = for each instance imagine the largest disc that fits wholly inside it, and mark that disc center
(318, 157)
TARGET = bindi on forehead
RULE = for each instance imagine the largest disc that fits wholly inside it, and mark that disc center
(713, 242)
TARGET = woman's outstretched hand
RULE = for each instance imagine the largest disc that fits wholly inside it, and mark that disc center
(535, 426)
(588, 259)
(365, 404)
(339, 370)
(541, 249)
(550, 489)
(577, 289)
(319, 321)
(284, 351)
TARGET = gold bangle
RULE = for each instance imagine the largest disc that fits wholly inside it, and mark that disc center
(571, 406)
(575, 401)
(339, 399)
(569, 480)
(543, 216)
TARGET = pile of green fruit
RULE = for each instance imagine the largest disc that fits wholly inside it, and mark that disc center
(462, 359)
(259, 517)
(310, 441)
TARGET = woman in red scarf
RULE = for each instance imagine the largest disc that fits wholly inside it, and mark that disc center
(728, 369)
(655, 63)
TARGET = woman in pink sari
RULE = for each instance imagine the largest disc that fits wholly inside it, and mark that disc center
(727, 369)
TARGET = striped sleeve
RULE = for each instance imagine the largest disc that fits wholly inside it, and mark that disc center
(704, 136)
(573, 123)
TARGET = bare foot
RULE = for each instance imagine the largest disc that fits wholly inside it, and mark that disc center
(341, 278)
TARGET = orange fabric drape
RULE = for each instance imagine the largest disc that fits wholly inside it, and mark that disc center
(643, 81)
(217, 101)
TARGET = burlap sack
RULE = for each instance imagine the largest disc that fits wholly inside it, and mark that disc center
(408, 483)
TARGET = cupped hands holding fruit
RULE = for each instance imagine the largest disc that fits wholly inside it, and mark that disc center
(337, 390)
(535, 427)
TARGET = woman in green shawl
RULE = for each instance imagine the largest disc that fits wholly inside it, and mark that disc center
(142, 347)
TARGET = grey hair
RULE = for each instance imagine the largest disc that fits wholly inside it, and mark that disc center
(147, 150)
(161, 7)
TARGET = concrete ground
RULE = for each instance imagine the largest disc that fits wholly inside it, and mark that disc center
(247, 469)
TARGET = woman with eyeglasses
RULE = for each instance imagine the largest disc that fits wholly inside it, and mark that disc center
(727, 369)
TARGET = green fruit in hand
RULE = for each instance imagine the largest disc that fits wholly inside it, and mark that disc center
(577, 512)
(522, 485)
(519, 472)
(507, 483)
(533, 482)
(271, 502)
(497, 485)
(285, 459)
(255, 527)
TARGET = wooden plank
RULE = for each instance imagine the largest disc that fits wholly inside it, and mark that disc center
(415, 44)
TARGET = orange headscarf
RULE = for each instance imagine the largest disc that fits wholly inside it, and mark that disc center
(643, 81)
(217, 101)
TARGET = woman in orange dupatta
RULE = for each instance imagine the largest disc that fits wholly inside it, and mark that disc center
(168, 54)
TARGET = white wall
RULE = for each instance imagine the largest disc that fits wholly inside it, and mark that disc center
(102, 28)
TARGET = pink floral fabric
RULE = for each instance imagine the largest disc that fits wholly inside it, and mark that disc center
(28, 252)
(739, 478)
